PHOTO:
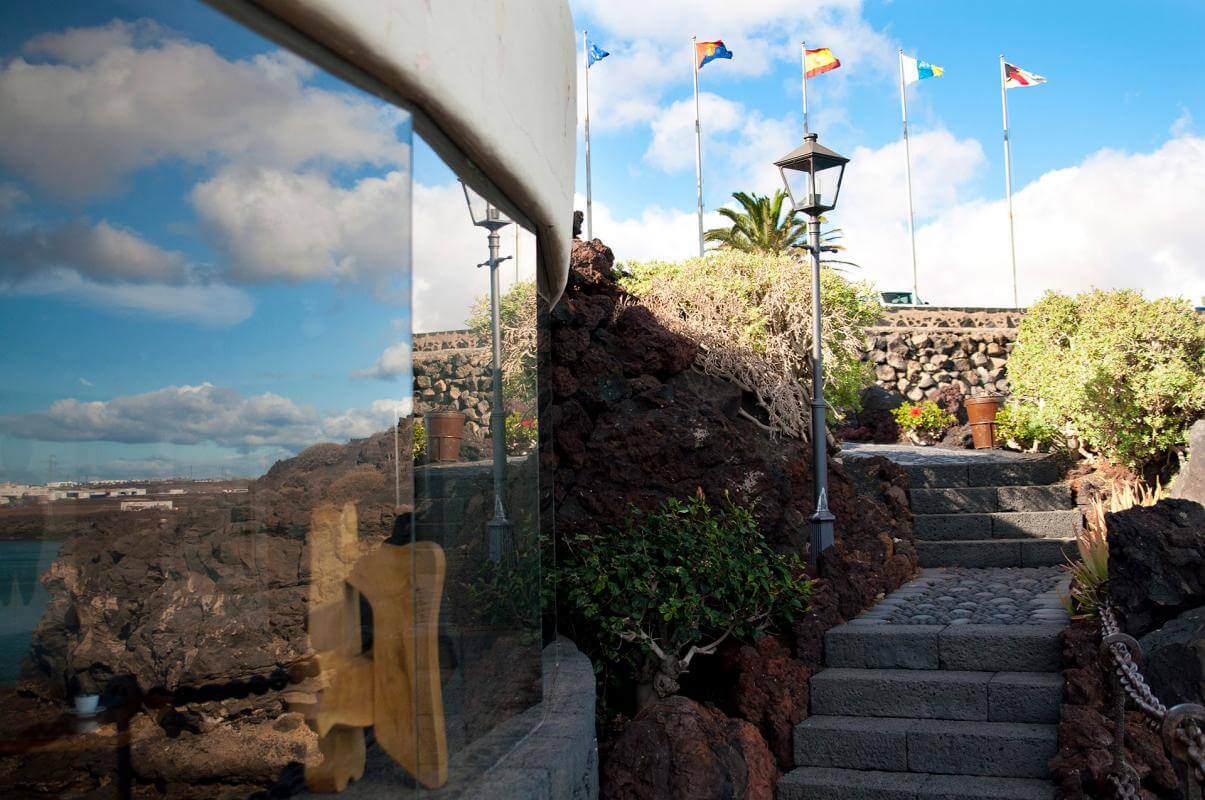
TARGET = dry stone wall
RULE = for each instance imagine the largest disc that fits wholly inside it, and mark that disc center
(452, 373)
(918, 351)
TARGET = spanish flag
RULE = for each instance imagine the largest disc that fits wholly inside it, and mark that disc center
(706, 52)
(820, 60)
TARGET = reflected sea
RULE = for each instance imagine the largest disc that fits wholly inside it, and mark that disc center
(22, 600)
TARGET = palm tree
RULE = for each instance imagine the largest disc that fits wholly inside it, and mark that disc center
(762, 227)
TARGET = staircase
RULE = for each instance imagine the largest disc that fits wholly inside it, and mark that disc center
(985, 511)
(949, 688)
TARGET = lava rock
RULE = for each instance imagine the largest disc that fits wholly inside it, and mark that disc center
(678, 749)
(1156, 563)
(1175, 659)
(770, 691)
(1190, 483)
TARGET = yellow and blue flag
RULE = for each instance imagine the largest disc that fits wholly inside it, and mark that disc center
(917, 70)
(596, 54)
(706, 52)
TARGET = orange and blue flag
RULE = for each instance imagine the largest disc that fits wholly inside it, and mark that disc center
(706, 52)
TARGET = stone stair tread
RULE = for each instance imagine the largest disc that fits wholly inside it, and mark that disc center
(937, 694)
(982, 471)
(1032, 647)
(993, 749)
(817, 783)
(985, 499)
(998, 525)
(1041, 552)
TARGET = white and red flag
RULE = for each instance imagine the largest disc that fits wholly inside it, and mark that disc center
(1014, 77)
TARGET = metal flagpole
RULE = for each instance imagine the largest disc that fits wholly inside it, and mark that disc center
(1008, 180)
(589, 196)
(803, 56)
(694, 63)
(908, 176)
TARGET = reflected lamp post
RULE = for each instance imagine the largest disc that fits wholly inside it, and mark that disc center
(812, 176)
(486, 215)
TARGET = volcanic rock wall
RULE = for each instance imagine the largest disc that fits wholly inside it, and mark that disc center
(452, 373)
(918, 351)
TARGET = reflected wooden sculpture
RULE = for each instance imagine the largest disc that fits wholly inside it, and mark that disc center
(395, 687)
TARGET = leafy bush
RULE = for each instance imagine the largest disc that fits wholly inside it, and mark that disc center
(1120, 373)
(752, 316)
(517, 314)
(675, 583)
(926, 417)
(419, 435)
(1021, 427)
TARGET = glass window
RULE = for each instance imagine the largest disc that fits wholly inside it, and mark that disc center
(255, 534)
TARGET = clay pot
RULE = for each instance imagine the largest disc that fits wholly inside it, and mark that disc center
(445, 429)
(981, 413)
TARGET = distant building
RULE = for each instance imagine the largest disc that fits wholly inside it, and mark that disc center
(145, 505)
(175, 491)
(128, 491)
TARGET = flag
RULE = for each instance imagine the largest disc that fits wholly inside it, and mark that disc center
(917, 70)
(596, 54)
(819, 61)
(1015, 76)
(709, 51)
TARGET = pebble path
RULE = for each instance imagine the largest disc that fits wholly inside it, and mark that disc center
(966, 596)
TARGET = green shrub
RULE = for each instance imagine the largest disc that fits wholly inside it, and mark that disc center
(1120, 373)
(1022, 427)
(419, 433)
(752, 315)
(517, 314)
(674, 583)
(926, 417)
(521, 433)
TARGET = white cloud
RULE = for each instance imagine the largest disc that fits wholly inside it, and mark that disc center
(188, 415)
(657, 234)
(396, 361)
(127, 95)
(11, 196)
(1115, 220)
(85, 382)
(650, 46)
(210, 304)
(275, 225)
(101, 252)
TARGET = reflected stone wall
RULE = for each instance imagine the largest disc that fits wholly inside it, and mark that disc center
(452, 373)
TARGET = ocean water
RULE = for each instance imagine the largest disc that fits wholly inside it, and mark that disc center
(22, 600)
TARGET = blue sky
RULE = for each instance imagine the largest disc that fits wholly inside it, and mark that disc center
(1120, 80)
(205, 246)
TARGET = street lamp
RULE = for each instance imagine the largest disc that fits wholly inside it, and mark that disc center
(486, 215)
(812, 176)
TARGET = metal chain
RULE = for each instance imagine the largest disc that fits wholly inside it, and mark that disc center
(1180, 727)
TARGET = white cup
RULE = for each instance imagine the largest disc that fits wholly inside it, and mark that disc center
(86, 704)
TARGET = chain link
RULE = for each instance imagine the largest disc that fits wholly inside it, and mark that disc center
(1185, 737)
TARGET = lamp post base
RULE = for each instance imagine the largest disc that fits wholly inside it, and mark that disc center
(821, 535)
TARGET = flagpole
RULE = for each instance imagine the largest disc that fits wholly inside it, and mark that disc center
(1008, 180)
(589, 194)
(694, 63)
(908, 177)
(803, 57)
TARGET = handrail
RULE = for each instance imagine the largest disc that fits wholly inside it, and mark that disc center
(1181, 727)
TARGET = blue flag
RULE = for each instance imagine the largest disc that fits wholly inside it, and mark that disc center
(596, 54)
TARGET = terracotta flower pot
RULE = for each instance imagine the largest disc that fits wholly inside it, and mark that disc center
(445, 429)
(981, 413)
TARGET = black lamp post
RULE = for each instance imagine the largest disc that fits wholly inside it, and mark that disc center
(486, 215)
(812, 175)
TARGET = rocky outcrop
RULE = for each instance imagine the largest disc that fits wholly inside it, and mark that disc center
(1175, 659)
(1156, 563)
(678, 749)
(1086, 730)
(770, 690)
(1190, 483)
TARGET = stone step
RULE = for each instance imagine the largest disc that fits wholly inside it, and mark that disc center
(997, 525)
(938, 694)
(818, 783)
(985, 499)
(996, 553)
(984, 471)
(1015, 648)
(991, 749)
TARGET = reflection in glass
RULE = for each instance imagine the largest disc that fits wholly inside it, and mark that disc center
(246, 428)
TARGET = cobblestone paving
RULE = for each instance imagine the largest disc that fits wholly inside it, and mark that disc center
(962, 596)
